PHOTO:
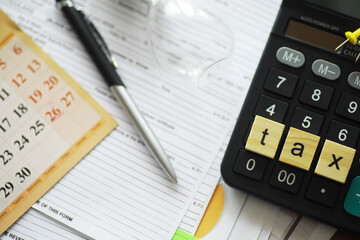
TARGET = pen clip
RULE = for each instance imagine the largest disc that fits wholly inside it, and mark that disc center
(100, 40)
(64, 3)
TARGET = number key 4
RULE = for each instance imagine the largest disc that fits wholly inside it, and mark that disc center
(271, 108)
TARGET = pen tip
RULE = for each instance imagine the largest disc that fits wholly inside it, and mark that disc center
(175, 180)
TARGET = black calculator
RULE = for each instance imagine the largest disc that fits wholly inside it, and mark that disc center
(296, 141)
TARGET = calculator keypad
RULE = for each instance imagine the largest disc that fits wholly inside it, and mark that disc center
(280, 82)
(343, 133)
(251, 165)
(290, 57)
(354, 80)
(323, 191)
(352, 203)
(287, 178)
(349, 107)
(326, 69)
(307, 121)
(303, 132)
(316, 95)
(271, 108)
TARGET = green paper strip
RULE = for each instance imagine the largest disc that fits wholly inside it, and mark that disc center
(181, 235)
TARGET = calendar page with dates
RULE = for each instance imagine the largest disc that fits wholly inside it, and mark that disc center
(47, 122)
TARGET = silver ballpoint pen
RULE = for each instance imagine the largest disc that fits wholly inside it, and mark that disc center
(100, 54)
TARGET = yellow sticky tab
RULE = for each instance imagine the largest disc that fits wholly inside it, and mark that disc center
(264, 137)
(299, 148)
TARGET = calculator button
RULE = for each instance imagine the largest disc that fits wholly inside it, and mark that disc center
(299, 148)
(290, 57)
(307, 121)
(335, 161)
(271, 108)
(326, 69)
(281, 82)
(349, 107)
(250, 165)
(354, 80)
(316, 95)
(323, 191)
(264, 137)
(343, 133)
(287, 178)
(352, 200)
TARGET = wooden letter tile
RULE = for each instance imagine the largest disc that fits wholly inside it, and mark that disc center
(264, 137)
(335, 161)
(299, 148)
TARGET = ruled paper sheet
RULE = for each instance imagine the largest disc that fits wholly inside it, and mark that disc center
(199, 203)
(118, 190)
(245, 29)
(34, 225)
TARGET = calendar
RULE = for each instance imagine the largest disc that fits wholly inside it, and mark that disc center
(47, 122)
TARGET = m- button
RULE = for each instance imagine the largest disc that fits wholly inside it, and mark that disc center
(290, 57)
(326, 69)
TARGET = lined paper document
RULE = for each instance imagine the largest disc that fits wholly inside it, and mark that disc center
(246, 54)
(198, 205)
(34, 225)
(118, 191)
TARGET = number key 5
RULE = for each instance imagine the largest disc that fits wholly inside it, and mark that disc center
(307, 121)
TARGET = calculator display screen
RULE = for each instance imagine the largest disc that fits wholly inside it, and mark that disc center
(346, 7)
(313, 35)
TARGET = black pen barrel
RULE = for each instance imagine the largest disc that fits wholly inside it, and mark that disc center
(87, 37)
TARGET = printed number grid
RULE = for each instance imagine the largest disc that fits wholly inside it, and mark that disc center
(41, 117)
